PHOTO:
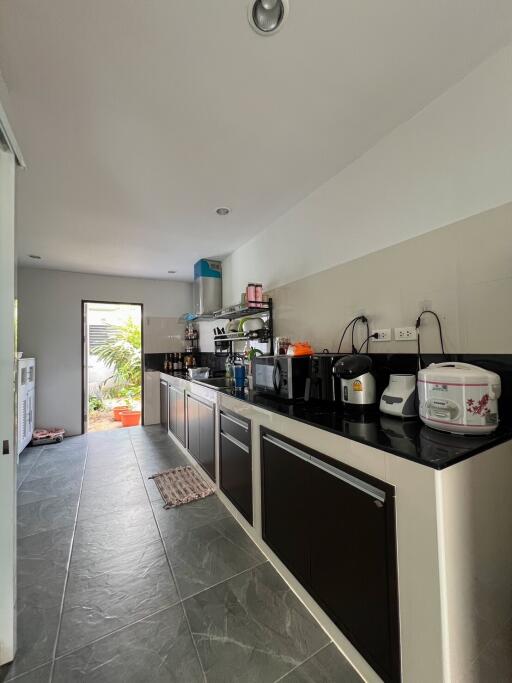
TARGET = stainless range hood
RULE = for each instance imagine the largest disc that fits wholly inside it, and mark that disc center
(207, 291)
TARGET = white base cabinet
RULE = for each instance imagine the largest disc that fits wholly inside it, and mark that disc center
(26, 386)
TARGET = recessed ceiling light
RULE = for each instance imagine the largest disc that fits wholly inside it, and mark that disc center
(222, 211)
(38, 258)
(267, 16)
(171, 272)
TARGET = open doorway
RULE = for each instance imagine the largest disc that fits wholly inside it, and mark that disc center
(112, 365)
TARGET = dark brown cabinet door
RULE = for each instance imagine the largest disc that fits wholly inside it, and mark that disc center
(236, 473)
(180, 414)
(334, 528)
(177, 413)
(172, 410)
(351, 561)
(285, 504)
(201, 434)
(193, 427)
(164, 404)
(207, 438)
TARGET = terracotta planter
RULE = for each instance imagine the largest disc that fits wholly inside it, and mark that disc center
(130, 418)
(117, 412)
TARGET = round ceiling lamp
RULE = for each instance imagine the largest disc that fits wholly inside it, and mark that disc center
(267, 16)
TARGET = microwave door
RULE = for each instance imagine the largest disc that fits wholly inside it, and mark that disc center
(278, 377)
(263, 376)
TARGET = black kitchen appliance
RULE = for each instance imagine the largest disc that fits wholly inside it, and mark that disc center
(358, 387)
(323, 384)
(285, 377)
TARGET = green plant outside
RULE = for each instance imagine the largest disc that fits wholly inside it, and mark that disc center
(95, 403)
(122, 353)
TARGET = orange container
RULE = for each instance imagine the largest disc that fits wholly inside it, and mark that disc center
(130, 418)
(117, 412)
(300, 348)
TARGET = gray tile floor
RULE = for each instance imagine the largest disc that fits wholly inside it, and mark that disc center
(112, 587)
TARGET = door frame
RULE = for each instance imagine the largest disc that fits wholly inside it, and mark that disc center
(82, 346)
(8, 440)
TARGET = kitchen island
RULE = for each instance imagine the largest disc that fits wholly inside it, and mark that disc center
(446, 520)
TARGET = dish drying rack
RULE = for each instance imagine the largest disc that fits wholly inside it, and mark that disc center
(264, 309)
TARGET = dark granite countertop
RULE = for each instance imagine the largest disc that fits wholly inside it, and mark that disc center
(409, 439)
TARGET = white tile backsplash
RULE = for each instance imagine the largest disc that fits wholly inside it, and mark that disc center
(464, 270)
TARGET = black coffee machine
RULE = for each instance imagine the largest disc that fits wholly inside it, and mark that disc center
(323, 385)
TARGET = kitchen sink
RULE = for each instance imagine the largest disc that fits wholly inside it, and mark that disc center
(214, 382)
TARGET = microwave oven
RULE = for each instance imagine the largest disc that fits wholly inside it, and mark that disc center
(285, 377)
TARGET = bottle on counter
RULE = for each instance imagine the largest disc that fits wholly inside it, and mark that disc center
(180, 362)
(229, 370)
(166, 363)
(175, 362)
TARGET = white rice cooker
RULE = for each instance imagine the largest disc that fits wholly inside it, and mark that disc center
(459, 398)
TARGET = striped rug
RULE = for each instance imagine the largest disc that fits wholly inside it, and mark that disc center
(181, 485)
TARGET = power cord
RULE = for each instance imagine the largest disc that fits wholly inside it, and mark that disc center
(353, 322)
(375, 335)
(364, 320)
(418, 323)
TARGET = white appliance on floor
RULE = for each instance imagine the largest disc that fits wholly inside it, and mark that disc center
(26, 386)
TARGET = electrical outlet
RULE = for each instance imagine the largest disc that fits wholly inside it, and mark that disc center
(384, 335)
(405, 333)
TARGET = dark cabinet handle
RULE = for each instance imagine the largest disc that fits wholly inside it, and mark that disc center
(236, 421)
(357, 483)
(5, 447)
(235, 442)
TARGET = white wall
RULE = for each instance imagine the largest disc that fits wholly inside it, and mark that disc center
(50, 329)
(451, 161)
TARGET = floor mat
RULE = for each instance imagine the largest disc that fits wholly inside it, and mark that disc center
(181, 485)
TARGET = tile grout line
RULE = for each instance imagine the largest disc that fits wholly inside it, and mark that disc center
(283, 677)
(29, 469)
(171, 569)
(219, 583)
(27, 672)
(67, 653)
(68, 564)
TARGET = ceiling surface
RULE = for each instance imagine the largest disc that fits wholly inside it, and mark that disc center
(138, 118)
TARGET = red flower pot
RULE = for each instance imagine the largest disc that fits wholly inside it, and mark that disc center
(117, 412)
(130, 418)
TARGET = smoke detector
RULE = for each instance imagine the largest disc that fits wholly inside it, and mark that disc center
(267, 16)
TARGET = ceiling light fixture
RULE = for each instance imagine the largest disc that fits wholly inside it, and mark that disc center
(35, 256)
(267, 16)
(222, 211)
(171, 272)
